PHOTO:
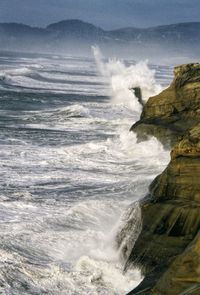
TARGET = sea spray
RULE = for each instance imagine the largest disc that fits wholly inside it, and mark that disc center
(122, 79)
(69, 169)
(129, 230)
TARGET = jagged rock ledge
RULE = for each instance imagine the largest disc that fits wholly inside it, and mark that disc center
(174, 111)
(168, 247)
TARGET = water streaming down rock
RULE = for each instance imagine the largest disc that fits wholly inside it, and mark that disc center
(138, 94)
(129, 230)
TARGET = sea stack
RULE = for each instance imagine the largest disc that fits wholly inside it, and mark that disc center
(168, 247)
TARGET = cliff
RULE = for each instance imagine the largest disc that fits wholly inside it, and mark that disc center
(168, 247)
(177, 109)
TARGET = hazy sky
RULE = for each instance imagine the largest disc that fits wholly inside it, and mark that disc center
(104, 13)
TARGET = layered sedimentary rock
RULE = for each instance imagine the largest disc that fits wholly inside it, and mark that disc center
(168, 247)
(174, 111)
(183, 276)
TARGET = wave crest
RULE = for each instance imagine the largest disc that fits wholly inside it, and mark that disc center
(122, 79)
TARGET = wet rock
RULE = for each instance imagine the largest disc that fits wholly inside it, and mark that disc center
(138, 93)
(168, 247)
(171, 221)
(129, 230)
(175, 110)
(183, 276)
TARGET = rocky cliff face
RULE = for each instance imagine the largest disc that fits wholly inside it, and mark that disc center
(177, 109)
(168, 248)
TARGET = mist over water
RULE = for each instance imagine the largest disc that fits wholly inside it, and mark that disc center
(70, 169)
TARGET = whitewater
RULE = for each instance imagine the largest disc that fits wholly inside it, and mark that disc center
(71, 170)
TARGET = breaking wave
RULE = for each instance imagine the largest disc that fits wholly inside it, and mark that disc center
(69, 170)
(122, 79)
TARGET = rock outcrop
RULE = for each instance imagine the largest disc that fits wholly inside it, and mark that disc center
(183, 276)
(168, 247)
(177, 109)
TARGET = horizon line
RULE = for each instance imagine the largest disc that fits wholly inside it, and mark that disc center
(97, 26)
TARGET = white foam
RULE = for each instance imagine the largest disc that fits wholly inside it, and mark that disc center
(126, 147)
(70, 78)
(83, 253)
(122, 79)
(91, 250)
(110, 276)
(28, 82)
(84, 176)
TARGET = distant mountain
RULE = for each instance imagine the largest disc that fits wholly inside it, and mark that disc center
(76, 29)
(16, 30)
(69, 33)
(182, 32)
(14, 36)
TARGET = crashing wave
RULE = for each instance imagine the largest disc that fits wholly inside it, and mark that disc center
(129, 230)
(123, 79)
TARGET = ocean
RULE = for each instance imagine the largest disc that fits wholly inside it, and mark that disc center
(70, 169)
